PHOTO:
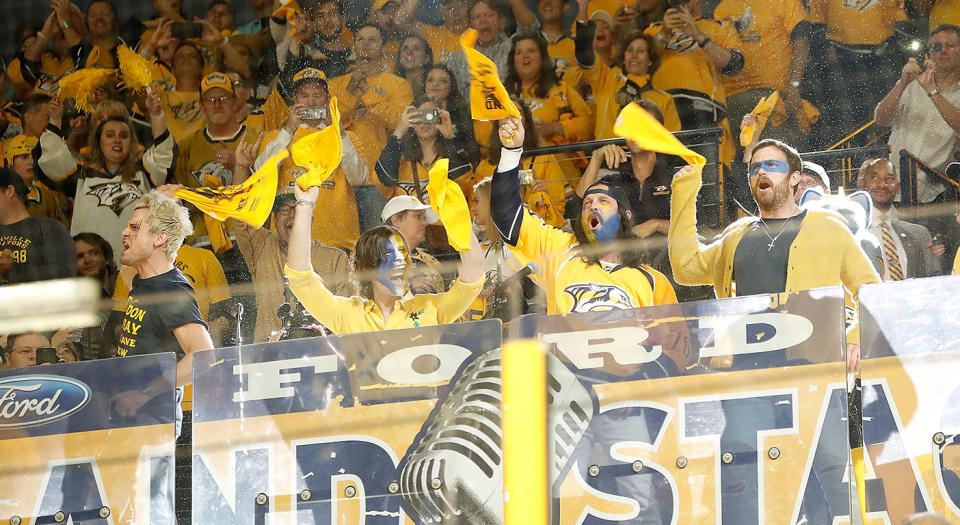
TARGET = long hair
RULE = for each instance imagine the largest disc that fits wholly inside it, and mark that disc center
(530, 138)
(97, 241)
(410, 145)
(455, 103)
(626, 239)
(548, 76)
(401, 72)
(369, 252)
(484, 189)
(96, 159)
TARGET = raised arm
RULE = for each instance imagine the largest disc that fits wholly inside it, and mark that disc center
(159, 161)
(887, 108)
(388, 165)
(692, 262)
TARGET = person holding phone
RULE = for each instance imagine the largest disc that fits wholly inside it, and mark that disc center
(21, 349)
(423, 136)
(336, 222)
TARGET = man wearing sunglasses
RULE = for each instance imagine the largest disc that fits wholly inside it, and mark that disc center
(784, 249)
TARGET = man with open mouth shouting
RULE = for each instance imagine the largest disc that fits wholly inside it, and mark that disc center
(381, 264)
(593, 269)
(785, 249)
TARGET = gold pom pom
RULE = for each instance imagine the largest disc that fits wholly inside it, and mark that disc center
(136, 72)
(82, 84)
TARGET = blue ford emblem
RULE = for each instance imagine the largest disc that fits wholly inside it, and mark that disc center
(37, 399)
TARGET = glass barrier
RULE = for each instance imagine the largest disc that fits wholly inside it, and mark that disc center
(911, 421)
(728, 410)
(80, 443)
(323, 430)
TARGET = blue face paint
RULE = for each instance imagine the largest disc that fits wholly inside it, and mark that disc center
(393, 259)
(770, 166)
(608, 227)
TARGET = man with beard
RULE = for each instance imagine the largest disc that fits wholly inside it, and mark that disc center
(785, 249)
(588, 270)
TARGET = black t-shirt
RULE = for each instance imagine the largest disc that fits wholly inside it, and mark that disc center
(41, 249)
(760, 263)
(155, 307)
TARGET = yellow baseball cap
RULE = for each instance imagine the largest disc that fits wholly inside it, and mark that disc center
(215, 80)
(309, 74)
(19, 145)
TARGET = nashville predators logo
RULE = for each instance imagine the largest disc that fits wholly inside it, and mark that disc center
(681, 42)
(213, 169)
(593, 297)
(743, 23)
(115, 195)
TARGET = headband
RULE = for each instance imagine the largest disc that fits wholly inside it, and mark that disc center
(611, 190)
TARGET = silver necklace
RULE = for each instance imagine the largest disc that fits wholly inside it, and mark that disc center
(773, 238)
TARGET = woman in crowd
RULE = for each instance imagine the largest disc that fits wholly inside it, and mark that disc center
(560, 114)
(413, 60)
(112, 176)
(441, 87)
(627, 81)
(423, 136)
(381, 265)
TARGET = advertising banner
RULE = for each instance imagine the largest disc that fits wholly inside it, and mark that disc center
(910, 337)
(81, 443)
(730, 411)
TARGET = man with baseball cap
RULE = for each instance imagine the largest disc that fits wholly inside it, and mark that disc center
(41, 200)
(206, 157)
(812, 175)
(335, 222)
(407, 214)
(31, 248)
(590, 269)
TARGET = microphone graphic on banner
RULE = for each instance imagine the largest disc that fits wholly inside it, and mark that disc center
(454, 473)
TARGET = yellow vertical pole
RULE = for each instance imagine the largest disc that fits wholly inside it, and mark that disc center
(524, 390)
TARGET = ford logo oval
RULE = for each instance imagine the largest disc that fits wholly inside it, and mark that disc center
(38, 399)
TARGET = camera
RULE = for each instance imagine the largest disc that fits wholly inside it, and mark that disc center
(430, 116)
(186, 30)
(312, 113)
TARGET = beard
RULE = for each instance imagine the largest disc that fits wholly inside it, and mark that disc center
(768, 200)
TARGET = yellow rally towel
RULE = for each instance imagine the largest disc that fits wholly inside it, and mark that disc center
(319, 153)
(446, 198)
(250, 202)
(286, 10)
(81, 85)
(761, 113)
(488, 98)
(858, 473)
(136, 72)
(636, 124)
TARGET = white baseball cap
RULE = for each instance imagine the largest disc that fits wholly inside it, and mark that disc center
(817, 170)
(407, 202)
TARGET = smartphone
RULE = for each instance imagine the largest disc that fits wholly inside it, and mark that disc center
(184, 30)
(312, 113)
(47, 356)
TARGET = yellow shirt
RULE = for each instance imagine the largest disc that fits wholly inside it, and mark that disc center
(562, 53)
(373, 116)
(349, 315)
(944, 12)
(443, 41)
(864, 22)
(685, 66)
(562, 104)
(45, 202)
(606, 81)
(335, 219)
(764, 27)
(574, 286)
(204, 272)
(52, 68)
(183, 114)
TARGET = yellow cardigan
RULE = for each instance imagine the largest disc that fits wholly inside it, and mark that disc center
(824, 252)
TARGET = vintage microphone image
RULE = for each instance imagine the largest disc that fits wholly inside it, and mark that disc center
(453, 473)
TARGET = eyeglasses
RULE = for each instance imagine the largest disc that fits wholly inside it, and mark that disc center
(217, 100)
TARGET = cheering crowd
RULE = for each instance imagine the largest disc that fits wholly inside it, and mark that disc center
(92, 167)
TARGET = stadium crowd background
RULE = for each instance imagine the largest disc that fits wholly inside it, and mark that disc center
(240, 85)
